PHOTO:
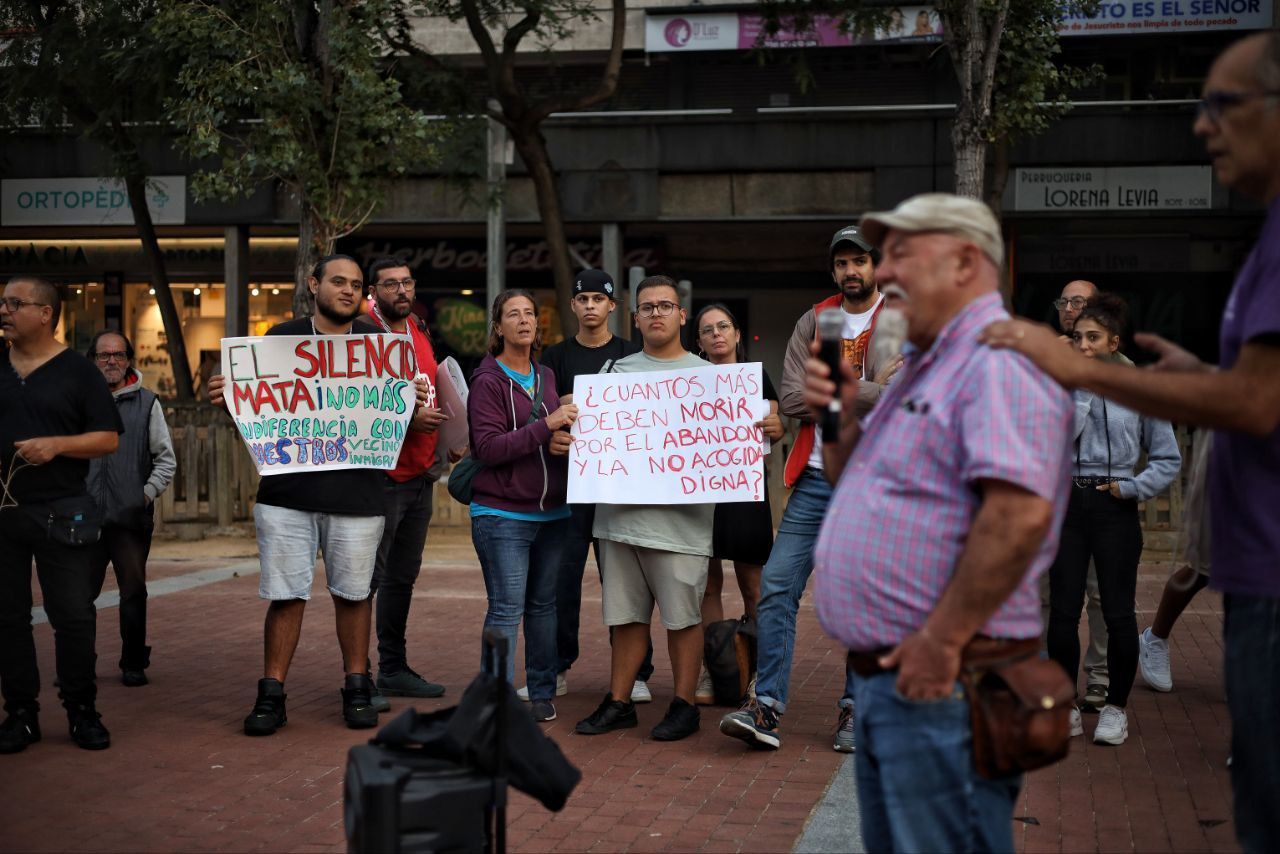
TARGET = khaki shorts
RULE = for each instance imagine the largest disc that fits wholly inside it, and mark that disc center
(1195, 507)
(634, 577)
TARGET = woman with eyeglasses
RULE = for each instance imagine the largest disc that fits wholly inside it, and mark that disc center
(1102, 520)
(743, 530)
(518, 511)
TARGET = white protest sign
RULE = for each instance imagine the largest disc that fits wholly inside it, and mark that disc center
(668, 437)
(320, 402)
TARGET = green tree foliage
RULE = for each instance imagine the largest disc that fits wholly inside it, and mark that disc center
(300, 93)
(1005, 57)
(499, 29)
(91, 70)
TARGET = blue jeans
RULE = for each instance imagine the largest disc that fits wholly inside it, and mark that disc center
(1253, 695)
(519, 561)
(917, 787)
(573, 562)
(782, 584)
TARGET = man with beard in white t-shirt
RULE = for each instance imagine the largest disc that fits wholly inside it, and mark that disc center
(852, 259)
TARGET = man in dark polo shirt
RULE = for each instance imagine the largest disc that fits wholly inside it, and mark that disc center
(56, 414)
(339, 512)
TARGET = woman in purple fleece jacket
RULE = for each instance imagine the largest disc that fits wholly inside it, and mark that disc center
(518, 513)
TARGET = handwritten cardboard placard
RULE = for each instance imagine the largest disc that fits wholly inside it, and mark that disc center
(668, 437)
(320, 402)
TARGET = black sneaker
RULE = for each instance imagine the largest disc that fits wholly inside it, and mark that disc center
(380, 703)
(20, 728)
(610, 715)
(406, 683)
(755, 723)
(268, 712)
(543, 711)
(134, 678)
(681, 722)
(86, 727)
(357, 705)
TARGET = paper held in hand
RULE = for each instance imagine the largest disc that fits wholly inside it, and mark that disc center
(451, 395)
(306, 403)
(669, 437)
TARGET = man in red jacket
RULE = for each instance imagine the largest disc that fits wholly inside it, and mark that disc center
(407, 489)
(852, 262)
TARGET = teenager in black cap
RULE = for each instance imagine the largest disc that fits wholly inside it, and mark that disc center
(594, 299)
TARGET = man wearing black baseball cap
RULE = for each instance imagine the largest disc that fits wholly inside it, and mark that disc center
(594, 299)
(852, 260)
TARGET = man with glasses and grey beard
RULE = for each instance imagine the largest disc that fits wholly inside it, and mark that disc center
(125, 486)
(56, 414)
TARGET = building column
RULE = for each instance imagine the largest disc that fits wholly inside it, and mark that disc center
(236, 279)
(611, 263)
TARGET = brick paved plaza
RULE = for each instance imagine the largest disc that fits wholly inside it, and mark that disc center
(181, 776)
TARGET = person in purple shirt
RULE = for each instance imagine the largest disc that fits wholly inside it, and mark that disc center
(1239, 121)
(951, 496)
(518, 514)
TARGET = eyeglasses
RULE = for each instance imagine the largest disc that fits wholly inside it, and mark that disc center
(661, 309)
(722, 327)
(394, 285)
(103, 358)
(1075, 302)
(13, 303)
(1214, 104)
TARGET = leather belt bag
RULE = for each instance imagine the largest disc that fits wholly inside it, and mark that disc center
(1019, 703)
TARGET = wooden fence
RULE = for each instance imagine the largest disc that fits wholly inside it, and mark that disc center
(216, 480)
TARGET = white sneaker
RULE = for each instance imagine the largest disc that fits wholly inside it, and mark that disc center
(1153, 661)
(1113, 726)
(640, 693)
(1077, 722)
(562, 688)
(705, 694)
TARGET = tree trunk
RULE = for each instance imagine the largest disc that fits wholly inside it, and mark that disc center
(999, 176)
(970, 152)
(308, 255)
(136, 185)
(533, 150)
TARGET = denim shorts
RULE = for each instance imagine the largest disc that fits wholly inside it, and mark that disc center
(287, 544)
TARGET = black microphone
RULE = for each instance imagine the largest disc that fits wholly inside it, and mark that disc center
(831, 352)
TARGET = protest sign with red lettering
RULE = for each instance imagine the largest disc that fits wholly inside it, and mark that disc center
(668, 437)
(320, 402)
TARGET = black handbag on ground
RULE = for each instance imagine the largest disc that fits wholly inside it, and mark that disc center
(71, 521)
(460, 485)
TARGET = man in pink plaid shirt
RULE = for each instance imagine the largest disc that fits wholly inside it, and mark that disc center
(948, 508)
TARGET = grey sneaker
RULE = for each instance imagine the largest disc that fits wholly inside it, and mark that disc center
(406, 683)
(543, 711)
(844, 731)
(754, 723)
(1153, 661)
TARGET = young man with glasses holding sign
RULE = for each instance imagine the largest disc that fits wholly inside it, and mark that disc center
(56, 414)
(653, 553)
(125, 486)
(407, 489)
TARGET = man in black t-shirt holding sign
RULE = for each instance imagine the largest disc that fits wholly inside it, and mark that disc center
(55, 415)
(340, 512)
(585, 353)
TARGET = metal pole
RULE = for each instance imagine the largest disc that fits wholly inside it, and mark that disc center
(236, 280)
(635, 275)
(496, 226)
(611, 263)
